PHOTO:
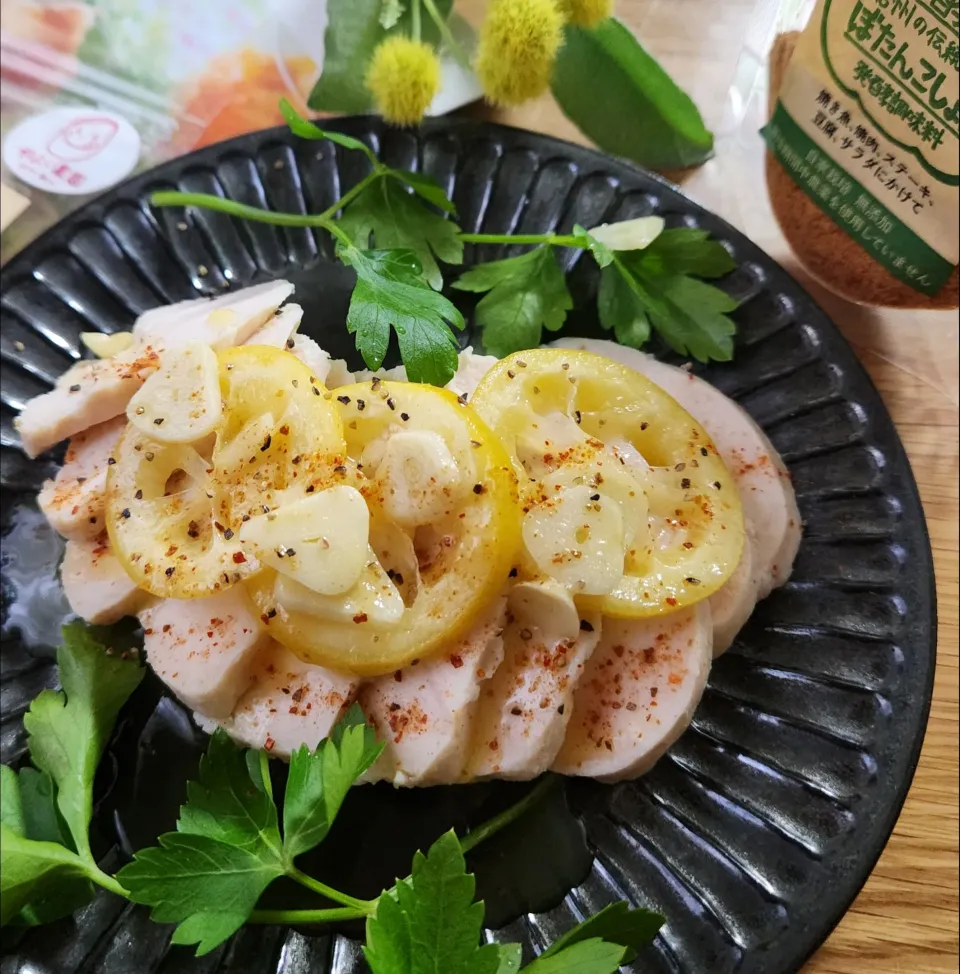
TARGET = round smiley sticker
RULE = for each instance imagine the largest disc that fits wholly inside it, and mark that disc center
(72, 151)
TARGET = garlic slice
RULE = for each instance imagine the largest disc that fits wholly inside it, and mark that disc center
(321, 541)
(419, 475)
(373, 598)
(180, 402)
(636, 234)
(106, 346)
(577, 538)
(545, 605)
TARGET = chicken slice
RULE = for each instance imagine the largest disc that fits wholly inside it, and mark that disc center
(73, 502)
(471, 368)
(93, 391)
(87, 394)
(769, 505)
(525, 707)
(95, 584)
(288, 704)
(204, 649)
(227, 320)
(280, 329)
(638, 694)
(424, 713)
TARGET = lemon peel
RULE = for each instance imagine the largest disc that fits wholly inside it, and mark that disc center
(585, 13)
(403, 78)
(518, 45)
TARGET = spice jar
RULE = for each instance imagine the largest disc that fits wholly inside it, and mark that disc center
(862, 161)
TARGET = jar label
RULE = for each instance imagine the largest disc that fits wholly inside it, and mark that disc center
(867, 126)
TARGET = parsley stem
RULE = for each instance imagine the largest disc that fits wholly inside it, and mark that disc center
(105, 880)
(208, 201)
(331, 211)
(483, 832)
(364, 906)
(451, 43)
(306, 916)
(553, 239)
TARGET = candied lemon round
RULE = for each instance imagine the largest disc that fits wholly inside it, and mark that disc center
(444, 533)
(585, 433)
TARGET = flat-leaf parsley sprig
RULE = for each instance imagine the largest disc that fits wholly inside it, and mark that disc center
(231, 842)
(395, 227)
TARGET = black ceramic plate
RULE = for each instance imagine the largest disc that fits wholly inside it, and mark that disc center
(755, 832)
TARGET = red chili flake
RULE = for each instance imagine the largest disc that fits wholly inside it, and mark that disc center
(456, 662)
(671, 601)
(269, 744)
(360, 617)
(239, 557)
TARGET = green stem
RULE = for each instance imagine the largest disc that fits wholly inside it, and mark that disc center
(364, 906)
(415, 19)
(553, 239)
(105, 880)
(452, 44)
(209, 202)
(305, 916)
(483, 832)
(328, 214)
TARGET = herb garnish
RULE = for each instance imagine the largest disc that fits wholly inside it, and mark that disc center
(231, 843)
(395, 226)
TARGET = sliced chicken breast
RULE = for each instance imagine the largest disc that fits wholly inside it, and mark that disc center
(280, 329)
(288, 704)
(95, 584)
(73, 502)
(88, 393)
(204, 649)
(425, 712)
(93, 391)
(769, 504)
(221, 322)
(638, 694)
(471, 368)
(525, 708)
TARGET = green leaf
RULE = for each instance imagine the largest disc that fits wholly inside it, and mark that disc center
(319, 781)
(616, 924)
(39, 800)
(29, 870)
(206, 886)
(432, 925)
(689, 251)
(396, 220)
(642, 114)
(11, 806)
(585, 957)
(427, 187)
(69, 729)
(602, 254)
(621, 308)
(390, 12)
(353, 31)
(526, 294)
(308, 130)
(391, 291)
(511, 956)
(230, 805)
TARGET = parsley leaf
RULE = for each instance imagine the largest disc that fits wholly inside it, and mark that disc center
(593, 956)
(511, 956)
(38, 799)
(427, 187)
(308, 130)
(31, 871)
(68, 729)
(390, 291)
(689, 251)
(602, 254)
(621, 307)
(396, 220)
(319, 782)
(431, 925)
(206, 886)
(616, 923)
(525, 295)
(226, 803)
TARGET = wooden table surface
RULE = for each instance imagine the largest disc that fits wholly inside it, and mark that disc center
(905, 919)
